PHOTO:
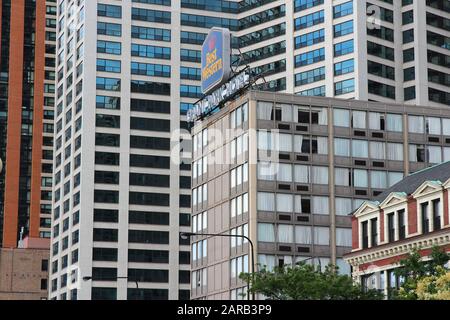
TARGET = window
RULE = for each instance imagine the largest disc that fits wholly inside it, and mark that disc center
(110, 29)
(343, 48)
(266, 232)
(344, 67)
(150, 15)
(425, 218)
(344, 87)
(436, 214)
(111, 11)
(401, 224)
(309, 39)
(109, 47)
(321, 236)
(391, 227)
(150, 33)
(344, 237)
(343, 9)
(44, 265)
(365, 235)
(149, 69)
(106, 235)
(107, 65)
(104, 254)
(343, 28)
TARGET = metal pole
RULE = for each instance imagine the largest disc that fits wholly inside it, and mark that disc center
(189, 234)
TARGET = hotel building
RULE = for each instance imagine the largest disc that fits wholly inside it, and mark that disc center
(332, 156)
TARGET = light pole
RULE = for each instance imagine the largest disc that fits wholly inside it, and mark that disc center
(87, 278)
(186, 235)
(311, 258)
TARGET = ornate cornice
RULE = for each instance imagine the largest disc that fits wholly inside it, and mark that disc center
(439, 238)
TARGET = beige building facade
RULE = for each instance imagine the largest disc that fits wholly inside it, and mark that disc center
(287, 171)
(24, 271)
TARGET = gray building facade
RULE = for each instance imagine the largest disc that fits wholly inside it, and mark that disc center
(288, 170)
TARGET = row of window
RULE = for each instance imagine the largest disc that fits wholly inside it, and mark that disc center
(301, 204)
(304, 235)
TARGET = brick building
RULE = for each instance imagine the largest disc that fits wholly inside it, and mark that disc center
(24, 271)
(413, 213)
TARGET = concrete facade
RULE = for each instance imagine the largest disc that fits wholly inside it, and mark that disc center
(127, 73)
(24, 271)
(332, 154)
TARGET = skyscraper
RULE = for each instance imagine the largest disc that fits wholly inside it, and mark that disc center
(26, 118)
(369, 50)
(128, 71)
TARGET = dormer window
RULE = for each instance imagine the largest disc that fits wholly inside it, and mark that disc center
(436, 214)
(424, 217)
(401, 225)
(365, 234)
(391, 227)
(374, 232)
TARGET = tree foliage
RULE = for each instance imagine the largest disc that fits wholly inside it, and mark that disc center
(414, 269)
(434, 287)
(305, 282)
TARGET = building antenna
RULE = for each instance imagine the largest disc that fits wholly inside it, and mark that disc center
(20, 244)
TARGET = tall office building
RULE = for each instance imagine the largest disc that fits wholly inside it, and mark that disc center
(127, 72)
(27, 61)
(369, 50)
(286, 171)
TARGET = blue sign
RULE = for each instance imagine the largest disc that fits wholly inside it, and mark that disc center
(216, 52)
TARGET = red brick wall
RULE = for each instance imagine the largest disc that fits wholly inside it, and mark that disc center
(381, 225)
(355, 233)
(412, 215)
(393, 260)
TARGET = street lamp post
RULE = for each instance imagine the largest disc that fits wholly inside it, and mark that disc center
(186, 235)
(87, 278)
(312, 258)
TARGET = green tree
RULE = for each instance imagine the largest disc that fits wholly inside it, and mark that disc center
(434, 287)
(305, 282)
(413, 269)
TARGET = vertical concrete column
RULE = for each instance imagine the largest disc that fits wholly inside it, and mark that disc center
(421, 52)
(329, 48)
(252, 180)
(405, 145)
(88, 148)
(360, 49)
(331, 185)
(174, 167)
(125, 95)
(289, 46)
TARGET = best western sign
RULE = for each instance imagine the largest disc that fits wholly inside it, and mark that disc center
(218, 83)
(216, 53)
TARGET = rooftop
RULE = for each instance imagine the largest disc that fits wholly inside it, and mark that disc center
(409, 184)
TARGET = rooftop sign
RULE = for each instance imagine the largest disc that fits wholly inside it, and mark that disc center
(216, 55)
(218, 96)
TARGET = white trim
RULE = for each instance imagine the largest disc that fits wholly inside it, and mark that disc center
(399, 249)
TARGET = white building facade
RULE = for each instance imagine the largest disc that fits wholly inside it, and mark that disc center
(127, 71)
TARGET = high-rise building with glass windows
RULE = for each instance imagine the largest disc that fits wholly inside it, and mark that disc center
(127, 71)
(27, 62)
(380, 50)
(287, 171)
